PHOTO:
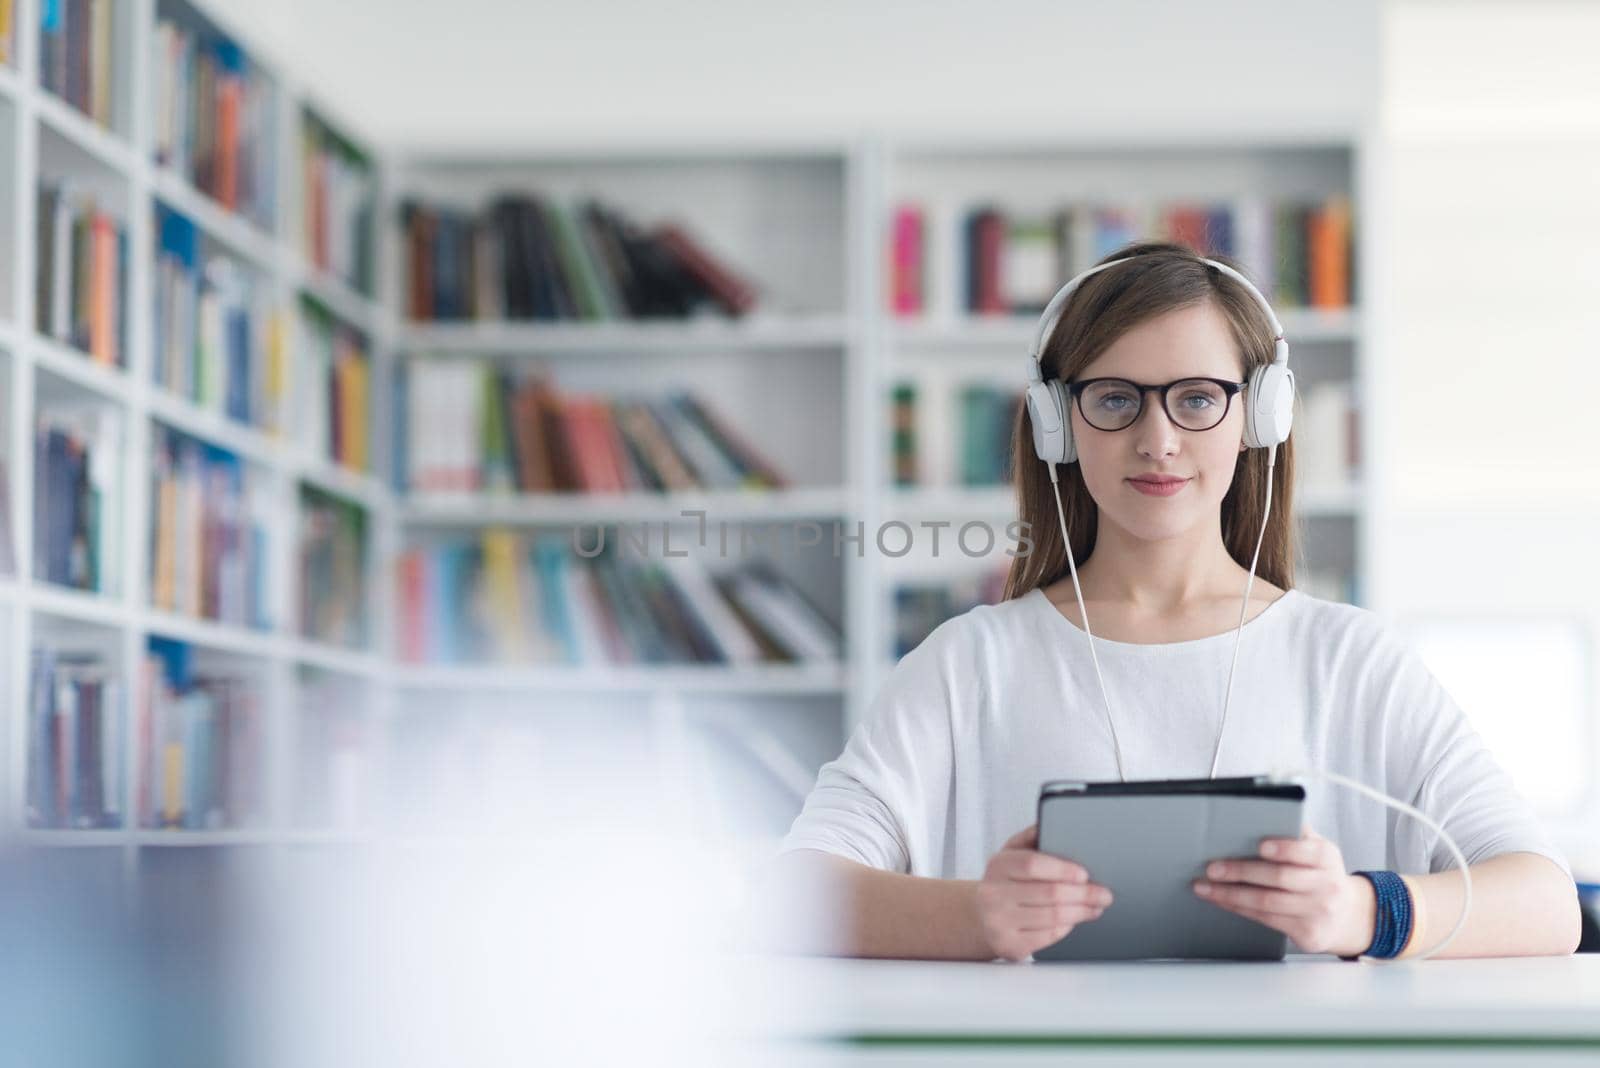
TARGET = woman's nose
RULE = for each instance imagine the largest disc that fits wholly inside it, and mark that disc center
(1155, 434)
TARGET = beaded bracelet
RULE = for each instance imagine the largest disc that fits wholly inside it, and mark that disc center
(1392, 929)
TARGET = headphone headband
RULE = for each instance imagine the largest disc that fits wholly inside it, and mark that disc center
(1058, 303)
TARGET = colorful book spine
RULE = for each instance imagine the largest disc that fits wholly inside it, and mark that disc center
(208, 533)
(212, 328)
(336, 389)
(199, 744)
(75, 762)
(215, 119)
(77, 452)
(81, 274)
(337, 218)
(77, 57)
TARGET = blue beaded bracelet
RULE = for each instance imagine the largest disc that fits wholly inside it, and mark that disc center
(1393, 927)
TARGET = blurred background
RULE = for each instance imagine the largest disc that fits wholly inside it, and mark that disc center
(437, 422)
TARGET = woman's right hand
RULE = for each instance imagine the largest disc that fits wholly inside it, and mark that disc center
(1027, 899)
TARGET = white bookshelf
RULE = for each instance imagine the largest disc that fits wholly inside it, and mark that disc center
(808, 376)
(41, 135)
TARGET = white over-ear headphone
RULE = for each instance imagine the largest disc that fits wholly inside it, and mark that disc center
(1268, 400)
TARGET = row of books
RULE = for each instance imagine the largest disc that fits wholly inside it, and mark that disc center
(218, 340)
(77, 450)
(528, 256)
(467, 425)
(337, 204)
(215, 119)
(333, 561)
(199, 745)
(208, 533)
(1300, 252)
(919, 607)
(80, 278)
(336, 388)
(75, 741)
(985, 420)
(77, 55)
(506, 598)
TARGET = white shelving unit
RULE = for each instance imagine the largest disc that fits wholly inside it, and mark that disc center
(808, 378)
(40, 133)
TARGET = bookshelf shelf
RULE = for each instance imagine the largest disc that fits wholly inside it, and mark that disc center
(79, 368)
(238, 233)
(599, 338)
(336, 295)
(213, 427)
(78, 605)
(825, 679)
(533, 509)
(71, 125)
(363, 489)
(8, 83)
(205, 633)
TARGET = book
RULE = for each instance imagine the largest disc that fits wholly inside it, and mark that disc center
(337, 210)
(77, 56)
(77, 450)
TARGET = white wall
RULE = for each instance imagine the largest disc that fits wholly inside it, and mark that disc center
(498, 72)
(1487, 342)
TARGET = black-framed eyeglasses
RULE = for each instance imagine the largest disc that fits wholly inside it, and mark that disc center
(1191, 403)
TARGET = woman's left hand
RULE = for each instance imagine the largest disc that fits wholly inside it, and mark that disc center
(1299, 887)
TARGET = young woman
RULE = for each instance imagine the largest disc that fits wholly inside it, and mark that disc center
(917, 838)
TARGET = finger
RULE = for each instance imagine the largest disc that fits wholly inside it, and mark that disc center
(1027, 838)
(1063, 894)
(1310, 852)
(1059, 916)
(1267, 873)
(1026, 864)
(1278, 902)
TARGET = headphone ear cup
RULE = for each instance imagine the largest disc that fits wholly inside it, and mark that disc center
(1269, 406)
(1069, 444)
(1051, 435)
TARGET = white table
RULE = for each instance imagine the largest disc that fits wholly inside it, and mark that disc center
(1308, 1009)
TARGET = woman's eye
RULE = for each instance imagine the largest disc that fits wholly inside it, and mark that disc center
(1205, 401)
(1116, 402)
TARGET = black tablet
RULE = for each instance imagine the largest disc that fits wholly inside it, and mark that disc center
(1148, 841)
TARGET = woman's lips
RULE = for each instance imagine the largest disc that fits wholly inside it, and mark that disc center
(1158, 489)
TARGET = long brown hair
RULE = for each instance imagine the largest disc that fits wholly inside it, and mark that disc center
(1162, 277)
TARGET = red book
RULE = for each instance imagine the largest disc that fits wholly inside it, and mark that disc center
(991, 247)
(906, 261)
(736, 295)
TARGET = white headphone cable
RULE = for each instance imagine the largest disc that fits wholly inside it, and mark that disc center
(1401, 806)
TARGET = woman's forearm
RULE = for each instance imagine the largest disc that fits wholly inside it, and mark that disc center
(815, 902)
(1523, 905)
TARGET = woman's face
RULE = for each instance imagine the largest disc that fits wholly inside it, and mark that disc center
(1189, 342)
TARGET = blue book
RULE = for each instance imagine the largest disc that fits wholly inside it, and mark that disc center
(555, 614)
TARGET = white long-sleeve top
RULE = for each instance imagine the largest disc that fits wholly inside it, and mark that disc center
(947, 763)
